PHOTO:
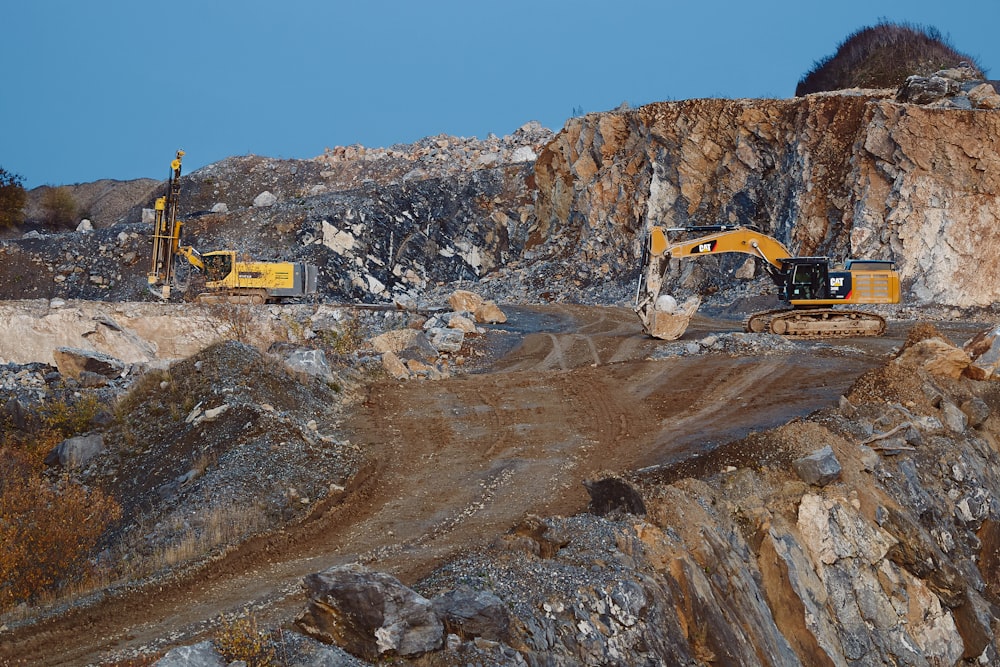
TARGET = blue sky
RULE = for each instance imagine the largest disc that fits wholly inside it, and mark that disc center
(110, 89)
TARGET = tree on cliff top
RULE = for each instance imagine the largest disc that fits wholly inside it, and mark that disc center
(882, 56)
(12, 199)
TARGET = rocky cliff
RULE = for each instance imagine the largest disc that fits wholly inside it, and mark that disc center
(849, 174)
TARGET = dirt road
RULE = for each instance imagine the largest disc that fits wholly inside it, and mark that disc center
(453, 464)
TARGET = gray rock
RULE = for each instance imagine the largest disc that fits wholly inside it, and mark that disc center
(446, 340)
(15, 411)
(264, 199)
(202, 654)
(468, 613)
(369, 614)
(311, 362)
(976, 410)
(926, 89)
(819, 468)
(954, 419)
(77, 451)
(92, 380)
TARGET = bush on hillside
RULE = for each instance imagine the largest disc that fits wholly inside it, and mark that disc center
(12, 199)
(48, 525)
(48, 528)
(59, 208)
(882, 56)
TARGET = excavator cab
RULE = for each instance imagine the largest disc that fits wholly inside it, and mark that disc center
(807, 278)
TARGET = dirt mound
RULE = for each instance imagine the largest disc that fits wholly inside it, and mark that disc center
(222, 445)
(104, 202)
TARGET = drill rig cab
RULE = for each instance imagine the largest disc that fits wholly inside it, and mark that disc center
(811, 286)
(227, 279)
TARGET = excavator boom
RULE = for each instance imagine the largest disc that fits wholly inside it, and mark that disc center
(724, 238)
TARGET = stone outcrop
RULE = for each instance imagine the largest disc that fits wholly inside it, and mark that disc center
(851, 174)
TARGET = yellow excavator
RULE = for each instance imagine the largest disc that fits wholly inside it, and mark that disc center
(811, 286)
(227, 279)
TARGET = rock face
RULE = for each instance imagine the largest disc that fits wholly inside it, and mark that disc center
(843, 175)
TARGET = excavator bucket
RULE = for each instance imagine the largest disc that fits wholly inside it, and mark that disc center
(666, 319)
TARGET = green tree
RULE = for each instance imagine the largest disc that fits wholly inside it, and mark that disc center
(59, 207)
(12, 199)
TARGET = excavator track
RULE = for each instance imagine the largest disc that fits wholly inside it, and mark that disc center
(816, 323)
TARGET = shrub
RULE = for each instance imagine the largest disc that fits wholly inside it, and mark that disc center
(48, 528)
(59, 208)
(74, 418)
(12, 199)
(347, 339)
(241, 639)
(882, 56)
(238, 320)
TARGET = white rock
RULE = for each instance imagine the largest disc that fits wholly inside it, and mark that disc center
(264, 199)
(523, 154)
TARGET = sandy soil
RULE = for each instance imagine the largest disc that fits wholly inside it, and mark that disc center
(453, 464)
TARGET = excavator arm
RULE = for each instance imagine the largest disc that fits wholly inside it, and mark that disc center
(192, 256)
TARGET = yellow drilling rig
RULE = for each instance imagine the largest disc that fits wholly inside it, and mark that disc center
(227, 279)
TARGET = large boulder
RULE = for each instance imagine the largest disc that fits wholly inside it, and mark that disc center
(936, 356)
(984, 352)
(369, 614)
(483, 311)
(202, 654)
(666, 319)
(77, 451)
(400, 340)
(819, 468)
(927, 89)
(445, 339)
(310, 362)
(72, 362)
